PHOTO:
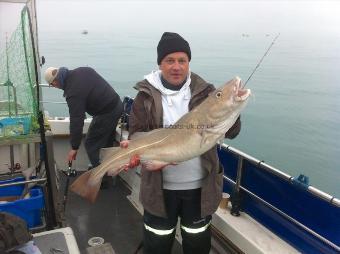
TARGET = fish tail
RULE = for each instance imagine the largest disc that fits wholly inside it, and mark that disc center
(84, 187)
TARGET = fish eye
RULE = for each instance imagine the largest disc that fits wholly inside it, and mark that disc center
(218, 94)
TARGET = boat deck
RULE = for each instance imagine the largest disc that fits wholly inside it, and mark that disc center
(112, 217)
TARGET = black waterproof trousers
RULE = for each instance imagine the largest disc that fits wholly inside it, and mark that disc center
(159, 233)
(101, 133)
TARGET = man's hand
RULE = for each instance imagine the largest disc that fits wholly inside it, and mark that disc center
(156, 165)
(134, 160)
(72, 154)
(124, 144)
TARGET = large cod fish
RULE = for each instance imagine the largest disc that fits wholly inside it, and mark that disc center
(192, 135)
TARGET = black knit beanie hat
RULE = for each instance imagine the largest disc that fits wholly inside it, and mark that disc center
(170, 43)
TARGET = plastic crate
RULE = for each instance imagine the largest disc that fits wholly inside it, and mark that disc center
(29, 209)
(14, 126)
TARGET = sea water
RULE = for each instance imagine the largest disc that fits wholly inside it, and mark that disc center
(292, 121)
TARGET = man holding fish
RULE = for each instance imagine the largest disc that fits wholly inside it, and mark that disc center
(191, 189)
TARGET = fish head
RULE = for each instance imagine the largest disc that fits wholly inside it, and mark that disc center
(226, 102)
(229, 97)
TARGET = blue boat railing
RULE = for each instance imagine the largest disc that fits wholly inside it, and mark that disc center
(307, 218)
(262, 164)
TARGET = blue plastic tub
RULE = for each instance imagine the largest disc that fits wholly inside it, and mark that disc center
(11, 190)
(29, 209)
(14, 126)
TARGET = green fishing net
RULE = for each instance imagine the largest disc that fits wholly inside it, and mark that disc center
(18, 96)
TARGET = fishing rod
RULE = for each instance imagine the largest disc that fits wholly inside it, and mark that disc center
(258, 64)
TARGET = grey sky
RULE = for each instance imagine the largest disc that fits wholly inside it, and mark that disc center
(206, 15)
(293, 17)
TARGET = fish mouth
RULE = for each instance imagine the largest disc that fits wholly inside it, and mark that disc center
(242, 94)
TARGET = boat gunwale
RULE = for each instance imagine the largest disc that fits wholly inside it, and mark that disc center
(261, 164)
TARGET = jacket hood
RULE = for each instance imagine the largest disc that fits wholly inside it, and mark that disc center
(196, 84)
(154, 78)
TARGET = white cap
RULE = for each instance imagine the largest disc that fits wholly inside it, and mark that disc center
(50, 74)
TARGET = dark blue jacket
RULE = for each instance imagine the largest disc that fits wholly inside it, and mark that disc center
(86, 92)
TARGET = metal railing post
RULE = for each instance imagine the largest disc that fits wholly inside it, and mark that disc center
(236, 196)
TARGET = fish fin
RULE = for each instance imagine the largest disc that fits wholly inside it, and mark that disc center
(220, 141)
(153, 165)
(204, 139)
(105, 153)
(84, 188)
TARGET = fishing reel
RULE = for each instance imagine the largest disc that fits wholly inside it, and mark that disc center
(70, 172)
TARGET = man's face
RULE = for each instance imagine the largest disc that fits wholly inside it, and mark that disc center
(175, 67)
(55, 84)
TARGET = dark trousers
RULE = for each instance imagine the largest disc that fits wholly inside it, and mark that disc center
(185, 204)
(101, 133)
